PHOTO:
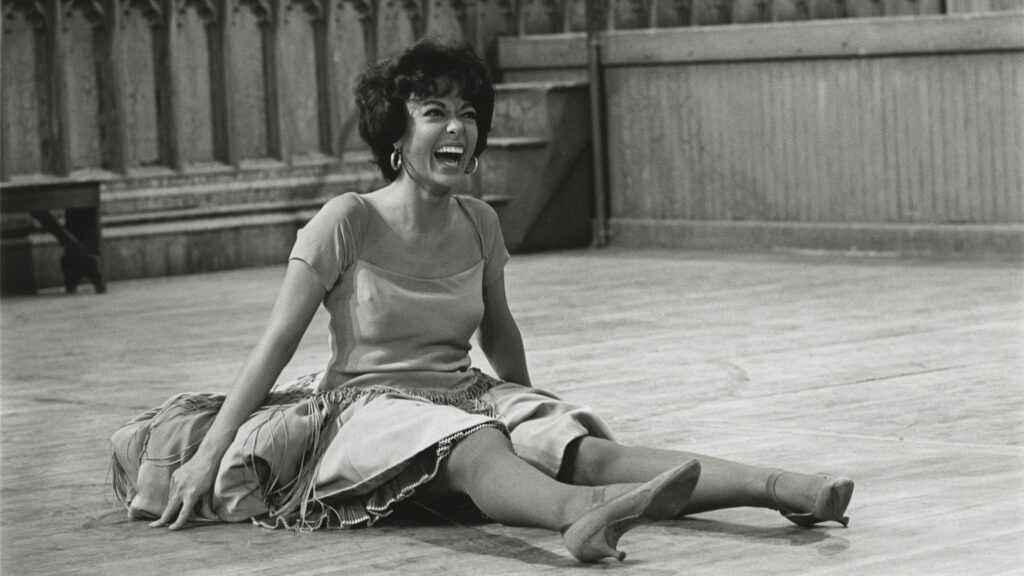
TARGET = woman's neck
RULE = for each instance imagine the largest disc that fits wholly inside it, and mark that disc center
(415, 208)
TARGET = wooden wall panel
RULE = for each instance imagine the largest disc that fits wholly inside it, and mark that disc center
(955, 6)
(301, 54)
(395, 28)
(25, 90)
(750, 11)
(930, 139)
(863, 8)
(194, 78)
(670, 13)
(445, 20)
(352, 47)
(249, 38)
(141, 43)
(83, 31)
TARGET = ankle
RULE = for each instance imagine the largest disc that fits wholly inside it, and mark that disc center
(584, 499)
(792, 491)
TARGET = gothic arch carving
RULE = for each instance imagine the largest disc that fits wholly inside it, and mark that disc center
(150, 10)
(312, 8)
(260, 8)
(33, 11)
(205, 8)
(92, 10)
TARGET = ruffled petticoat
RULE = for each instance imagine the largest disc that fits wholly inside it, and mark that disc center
(310, 459)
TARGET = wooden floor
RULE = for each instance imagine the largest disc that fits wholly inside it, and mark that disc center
(906, 375)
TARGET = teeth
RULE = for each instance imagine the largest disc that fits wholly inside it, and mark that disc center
(450, 150)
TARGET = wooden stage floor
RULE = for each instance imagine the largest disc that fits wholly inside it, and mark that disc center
(906, 375)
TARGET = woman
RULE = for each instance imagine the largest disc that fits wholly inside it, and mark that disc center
(408, 273)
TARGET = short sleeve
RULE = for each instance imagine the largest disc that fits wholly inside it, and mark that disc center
(329, 242)
(495, 253)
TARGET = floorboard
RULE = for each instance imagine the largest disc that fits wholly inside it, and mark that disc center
(906, 375)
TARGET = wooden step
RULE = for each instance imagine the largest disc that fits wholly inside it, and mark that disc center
(530, 109)
(518, 142)
(213, 212)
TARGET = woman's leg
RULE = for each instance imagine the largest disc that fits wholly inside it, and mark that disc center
(504, 487)
(513, 492)
(723, 483)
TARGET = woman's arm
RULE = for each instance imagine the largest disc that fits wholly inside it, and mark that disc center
(499, 336)
(300, 295)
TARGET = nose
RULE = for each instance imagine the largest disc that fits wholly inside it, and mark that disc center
(454, 126)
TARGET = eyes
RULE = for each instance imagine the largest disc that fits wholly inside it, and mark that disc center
(434, 111)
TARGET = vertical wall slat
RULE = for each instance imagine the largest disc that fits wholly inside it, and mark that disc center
(887, 140)
(84, 31)
(330, 138)
(114, 96)
(280, 147)
(168, 82)
(23, 97)
(58, 87)
(1014, 138)
(229, 126)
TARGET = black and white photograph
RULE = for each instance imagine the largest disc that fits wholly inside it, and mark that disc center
(511, 287)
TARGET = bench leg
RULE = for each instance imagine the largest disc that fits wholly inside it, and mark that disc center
(84, 224)
(81, 240)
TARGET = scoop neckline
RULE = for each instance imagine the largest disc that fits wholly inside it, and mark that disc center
(371, 209)
(472, 267)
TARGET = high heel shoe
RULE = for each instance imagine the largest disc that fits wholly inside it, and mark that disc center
(595, 534)
(829, 505)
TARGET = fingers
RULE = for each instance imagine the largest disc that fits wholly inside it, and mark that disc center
(186, 510)
(177, 505)
(172, 508)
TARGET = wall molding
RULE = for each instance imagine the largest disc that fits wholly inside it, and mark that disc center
(847, 38)
(896, 239)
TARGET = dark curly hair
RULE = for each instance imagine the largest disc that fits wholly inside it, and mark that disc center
(427, 68)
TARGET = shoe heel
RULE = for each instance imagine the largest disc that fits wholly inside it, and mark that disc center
(603, 544)
(596, 534)
(829, 505)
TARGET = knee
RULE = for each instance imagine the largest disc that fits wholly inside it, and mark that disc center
(593, 457)
(471, 455)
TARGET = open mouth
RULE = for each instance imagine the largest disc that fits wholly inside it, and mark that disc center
(449, 155)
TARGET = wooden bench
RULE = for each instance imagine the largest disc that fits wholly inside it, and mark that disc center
(80, 234)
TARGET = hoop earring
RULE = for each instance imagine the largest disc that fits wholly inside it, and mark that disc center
(476, 164)
(396, 159)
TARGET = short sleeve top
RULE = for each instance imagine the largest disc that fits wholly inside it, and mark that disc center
(389, 328)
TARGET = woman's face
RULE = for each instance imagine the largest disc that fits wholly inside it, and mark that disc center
(439, 141)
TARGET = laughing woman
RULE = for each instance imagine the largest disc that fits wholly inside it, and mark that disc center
(407, 274)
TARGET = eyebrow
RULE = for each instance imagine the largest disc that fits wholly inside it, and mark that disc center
(441, 103)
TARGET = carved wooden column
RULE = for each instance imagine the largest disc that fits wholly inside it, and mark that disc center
(226, 59)
(418, 12)
(367, 10)
(199, 127)
(58, 86)
(26, 141)
(301, 77)
(629, 14)
(222, 113)
(682, 12)
(250, 125)
(784, 10)
(170, 120)
(277, 143)
(111, 66)
(330, 100)
(863, 8)
(461, 11)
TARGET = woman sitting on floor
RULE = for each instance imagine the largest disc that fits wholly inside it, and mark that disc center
(407, 274)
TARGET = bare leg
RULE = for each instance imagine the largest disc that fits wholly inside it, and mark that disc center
(723, 483)
(506, 488)
(591, 519)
